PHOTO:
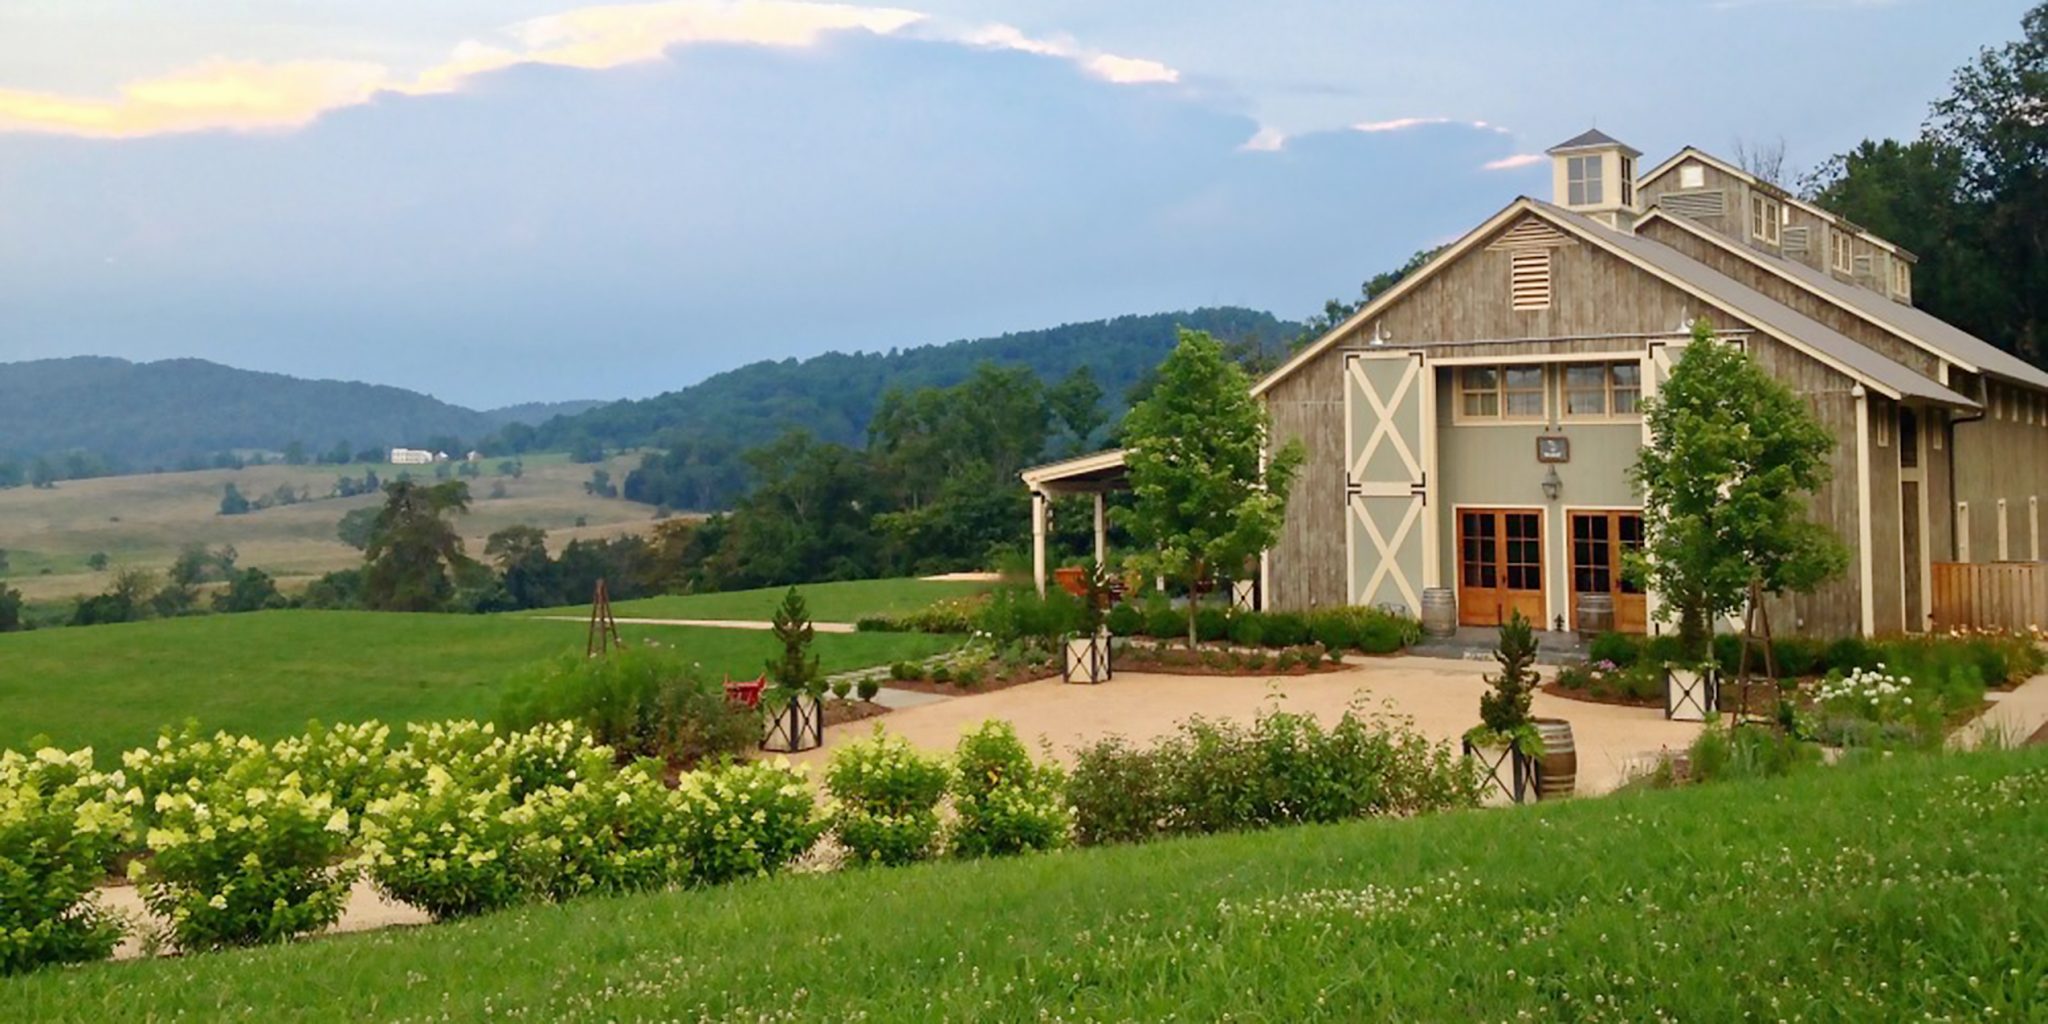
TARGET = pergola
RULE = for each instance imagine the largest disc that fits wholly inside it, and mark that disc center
(1096, 474)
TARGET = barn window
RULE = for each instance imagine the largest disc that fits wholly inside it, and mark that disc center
(1529, 279)
(1501, 392)
(1582, 180)
(1842, 250)
(1765, 214)
(1692, 176)
(1628, 180)
(1595, 390)
(1902, 277)
(1882, 427)
(1909, 439)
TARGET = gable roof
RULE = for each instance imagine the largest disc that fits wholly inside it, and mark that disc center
(1592, 138)
(1777, 192)
(1768, 315)
(1916, 326)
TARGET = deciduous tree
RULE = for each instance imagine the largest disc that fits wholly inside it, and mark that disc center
(413, 548)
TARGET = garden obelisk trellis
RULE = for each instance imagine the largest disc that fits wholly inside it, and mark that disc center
(603, 636)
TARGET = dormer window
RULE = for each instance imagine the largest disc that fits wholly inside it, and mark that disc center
(1765, 218)
(1902, 277)
(1628, 181)
(1582, 181)
(1692, 175)
(1842, 251)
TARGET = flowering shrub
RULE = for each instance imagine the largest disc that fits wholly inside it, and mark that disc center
(746, 819)
(441, 844)
(1006, 804)
(1873, 694)
(60, 823)
(886, 800)
(613, 833)
(1119, 793)
(351, 763)
(548, 754)
(641, 702)
(180, 760)
(246, 856)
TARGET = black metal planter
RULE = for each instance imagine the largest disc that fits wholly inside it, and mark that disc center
(1510, 775)
(1086, 659)
(798, 725)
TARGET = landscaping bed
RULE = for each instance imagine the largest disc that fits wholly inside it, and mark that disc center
(1926, 855)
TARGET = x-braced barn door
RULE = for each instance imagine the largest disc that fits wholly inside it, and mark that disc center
(1386, 439)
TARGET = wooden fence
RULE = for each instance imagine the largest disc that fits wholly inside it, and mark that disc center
(1990, 595)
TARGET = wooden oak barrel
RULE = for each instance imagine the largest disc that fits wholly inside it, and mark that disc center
(1596, 615)
(1439, 611)
(1558, 770)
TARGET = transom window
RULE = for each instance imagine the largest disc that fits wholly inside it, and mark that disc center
(1764, 215)
(1501, 392)
(1593, 390)
(1842, 250)
(1582, 180)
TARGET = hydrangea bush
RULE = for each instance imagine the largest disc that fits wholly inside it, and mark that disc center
(611, 833)
(245, 857)
(1005, 802)
(885, 800)
(354, 764)
(61, 822)
(441, 844)
(746, 819)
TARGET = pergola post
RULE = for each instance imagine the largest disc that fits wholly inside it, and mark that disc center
(1101, 532)
(1038, 540)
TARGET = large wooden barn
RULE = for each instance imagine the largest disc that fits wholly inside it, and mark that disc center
(1472, 427)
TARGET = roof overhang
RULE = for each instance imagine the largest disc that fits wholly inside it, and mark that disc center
(1087, 474)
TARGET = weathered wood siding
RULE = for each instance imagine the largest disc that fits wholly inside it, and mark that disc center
(2002, 456)
(1886, 520)
(1306, 568)
(1975, 595)
(1850, 325)
(1835, 607)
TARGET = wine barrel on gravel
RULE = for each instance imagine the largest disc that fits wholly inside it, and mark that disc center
(1439, 611)
(1596, 615)
(1557, 770)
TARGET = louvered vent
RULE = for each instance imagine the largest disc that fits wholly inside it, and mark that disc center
(1705, 203)
(1863, 273)
(1530, 233)
(1794, 241)
(1529, 279)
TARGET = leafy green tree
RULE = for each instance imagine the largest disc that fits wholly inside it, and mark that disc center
(1732, 458)
(192, 565)
(1504, 707)
(413, 547)
(232, 503)
(3, 561)
(600, 485)
(295, 453)
(97, 561)
(1077, 402)
(250, 590)
(10, 610)
(520, 554)
(355, 527)
(1201, 502)
(1336, 311)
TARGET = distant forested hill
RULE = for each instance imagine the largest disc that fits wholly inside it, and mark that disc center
(833, 396)
(149, 415)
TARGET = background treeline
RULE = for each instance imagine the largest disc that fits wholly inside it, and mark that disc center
(1969, 195)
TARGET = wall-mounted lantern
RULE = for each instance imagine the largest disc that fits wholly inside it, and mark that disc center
(1552, 486)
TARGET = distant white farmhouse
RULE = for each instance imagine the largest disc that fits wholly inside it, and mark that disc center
(411, 457)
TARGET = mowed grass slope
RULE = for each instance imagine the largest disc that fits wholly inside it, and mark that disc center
(266, 674)
(845, 601)
(1905, 889)
(143, 520)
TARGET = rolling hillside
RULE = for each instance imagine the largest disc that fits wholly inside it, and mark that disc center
(150, 415)
(833, 395)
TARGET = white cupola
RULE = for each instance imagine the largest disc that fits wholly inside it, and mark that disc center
(1595, 174)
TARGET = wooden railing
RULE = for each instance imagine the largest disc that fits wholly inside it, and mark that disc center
(1990, 595)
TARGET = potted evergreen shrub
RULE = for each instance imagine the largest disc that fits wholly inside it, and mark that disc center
(793, 700)
(1086, 653)
(1506, 743)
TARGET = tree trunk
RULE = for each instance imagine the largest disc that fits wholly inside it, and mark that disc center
(1694, 633)
(1194, 589)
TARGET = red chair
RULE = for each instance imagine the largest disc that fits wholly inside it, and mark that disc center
(745, 691)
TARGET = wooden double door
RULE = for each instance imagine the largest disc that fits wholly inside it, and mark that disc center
(1500, 566)
(1599, 541)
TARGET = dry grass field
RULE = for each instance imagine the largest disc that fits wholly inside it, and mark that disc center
(143, 520)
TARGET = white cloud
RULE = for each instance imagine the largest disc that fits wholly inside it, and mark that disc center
(1266, 140)
(1398, 124)
(1509, 163)
(249, 95)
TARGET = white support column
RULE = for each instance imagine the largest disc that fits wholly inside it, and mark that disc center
(1866, 566)
(1101, 531)
(1038, 540)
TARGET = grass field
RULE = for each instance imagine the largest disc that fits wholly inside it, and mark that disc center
(143, 520)
(1906, 889)
(265, 674)
(829, 602)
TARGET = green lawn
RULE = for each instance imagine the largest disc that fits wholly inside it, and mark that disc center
(1894, 890)
(846, 601)
(265, 674)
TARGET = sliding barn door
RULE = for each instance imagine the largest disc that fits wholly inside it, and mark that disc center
(1387, 432)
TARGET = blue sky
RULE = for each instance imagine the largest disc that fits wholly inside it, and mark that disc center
(516, 200)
